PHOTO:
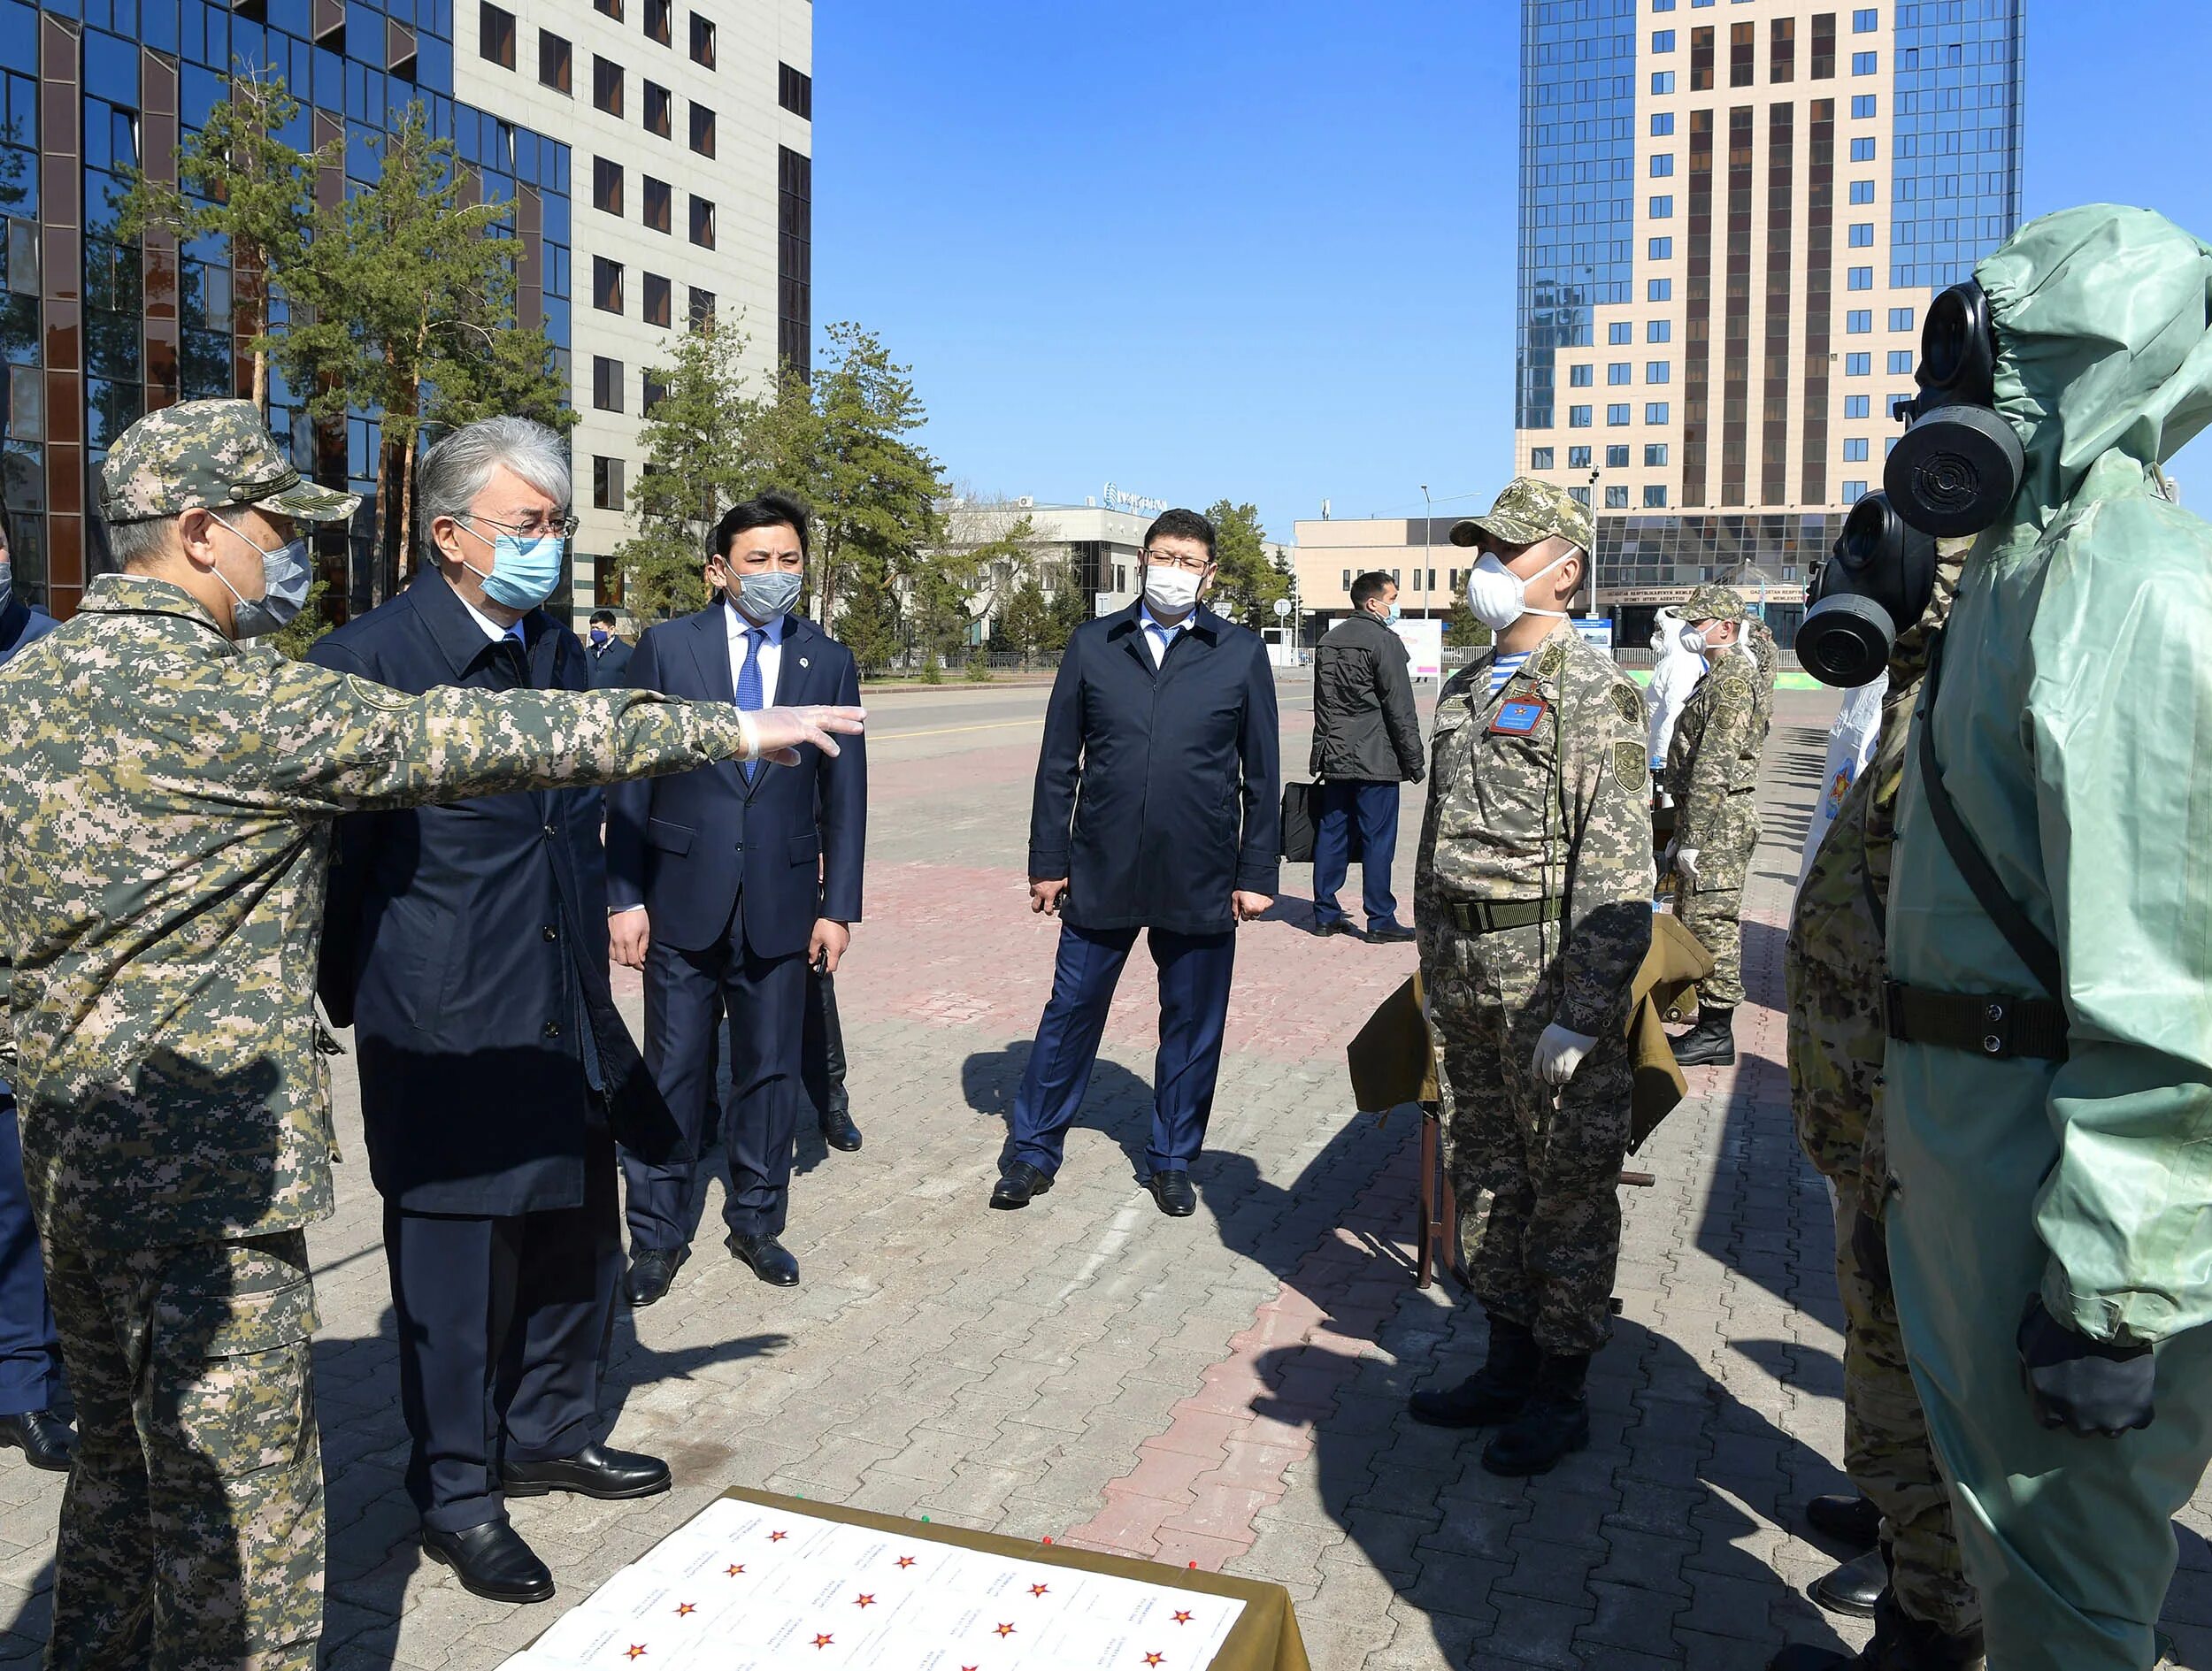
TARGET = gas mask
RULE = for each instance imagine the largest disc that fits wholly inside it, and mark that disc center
(1874, 585)
(1958, 464)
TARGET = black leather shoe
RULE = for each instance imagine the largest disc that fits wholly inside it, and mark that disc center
(1855, 1587)
(1338, 926)
(1847, 1517)
(651, 1271)
(839, 1131)
(491, 1560)
(1710, 1044)
(1019, 1185)
(593, 1471)
(769, 1259)
(1173, 1191)
(1389, 933)
(43, 1437)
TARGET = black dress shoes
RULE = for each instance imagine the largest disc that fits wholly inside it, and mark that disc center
(1847, 1517)
(1390, 933)
(491, 1560)
(839, 1131)
(1855, 1587)
(593, 1471)
(1019, 1185)
(771, 1260)
(651, 1271)
(1173, 1191)
(43, 1437)
(1338, 926)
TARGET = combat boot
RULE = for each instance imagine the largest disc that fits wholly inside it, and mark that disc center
(1555, 1423)
(1900, 1644)
(1494, 1393)
(1711, 1043)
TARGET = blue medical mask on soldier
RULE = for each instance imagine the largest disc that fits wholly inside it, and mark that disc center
(285, 575)
(524, 571)
(766, 594)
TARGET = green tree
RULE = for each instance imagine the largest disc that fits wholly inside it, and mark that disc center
(874, 489)
(868, 619)
(236, 179)
(1071, 608)
(1246, 580)
(1025, 621)
(1461, 631)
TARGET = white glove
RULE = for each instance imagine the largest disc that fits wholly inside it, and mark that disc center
(1686, 865)
(1559, 1053)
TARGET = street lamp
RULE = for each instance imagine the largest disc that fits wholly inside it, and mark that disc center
(1428, 533)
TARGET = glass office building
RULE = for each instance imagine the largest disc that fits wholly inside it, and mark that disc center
(1733, 213)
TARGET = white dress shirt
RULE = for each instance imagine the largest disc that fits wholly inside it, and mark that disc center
(771, 649)
(492, 629)
(1157, 635)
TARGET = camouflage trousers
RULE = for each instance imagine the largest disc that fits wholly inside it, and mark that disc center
(1537, 1174)
(192, 1530)
(1714, 914)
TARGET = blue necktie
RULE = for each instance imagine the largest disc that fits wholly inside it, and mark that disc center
(749, 697)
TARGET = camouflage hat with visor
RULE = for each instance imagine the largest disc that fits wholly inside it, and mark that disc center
(204, 456)
(1528, 511)
(1711, 602)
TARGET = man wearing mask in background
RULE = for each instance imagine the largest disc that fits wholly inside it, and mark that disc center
(30, 1352)
(1157, 808)
(1366, 741)
(2047, 1083)
(1713, 774)
(1532, 896)
(609, 653)
(467, 946)
(726, 886)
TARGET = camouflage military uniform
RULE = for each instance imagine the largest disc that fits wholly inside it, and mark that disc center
(169, 797)
(1833, 966)
(1713, 774)
(1562, 810)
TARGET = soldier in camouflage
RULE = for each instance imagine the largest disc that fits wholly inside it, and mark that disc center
(169, 793)
(1834, 967)
(1532, 900)
(1713, 774)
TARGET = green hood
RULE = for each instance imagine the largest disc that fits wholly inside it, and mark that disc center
(2102, 319)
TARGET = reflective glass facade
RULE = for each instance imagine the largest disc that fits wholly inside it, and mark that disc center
(1578, 184)
(1955, 175)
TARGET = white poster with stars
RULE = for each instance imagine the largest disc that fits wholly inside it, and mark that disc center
(746, 1587)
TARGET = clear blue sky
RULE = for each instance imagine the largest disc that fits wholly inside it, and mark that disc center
(1217, 249)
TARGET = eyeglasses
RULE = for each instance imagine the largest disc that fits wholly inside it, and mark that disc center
(559, 527)
(1168, 560)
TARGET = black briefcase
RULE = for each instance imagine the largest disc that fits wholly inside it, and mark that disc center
(1301, 813)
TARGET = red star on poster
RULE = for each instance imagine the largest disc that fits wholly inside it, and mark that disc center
(864, 1601)
(1182, 1618)
(736, 1569)
(637, 1651)
(1155, 1659)
(908, 1561)
(777, 1537)
(1038, 1589)
(685, 1609)
(823, 1641)
(1005, 1630)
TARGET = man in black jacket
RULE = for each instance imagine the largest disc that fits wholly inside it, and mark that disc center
(1366, 741)
(609, 653)
(1163, 718)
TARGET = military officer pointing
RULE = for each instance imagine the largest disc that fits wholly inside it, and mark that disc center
(1713, 774)
(1532, 898)
(168, 793)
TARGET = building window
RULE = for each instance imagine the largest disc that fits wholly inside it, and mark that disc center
(1580, 496)
(1578, 458)
(1348, 580)
(1655, 496)
(1866, 21)
(606, 185)
(795, 259)
(1662, 40)
(1854, 450)
(659, 204)
(553, 62)
(606, 285)
(1858, 321)
(702, 130)
(1855, 405)
(1617, 498)
(702, 312)
(1663, 81)
(606, 85)
(606, 484)
(1896, 401)
(1853, 492)
(1581, 375)
(608, 9)
(659, 17)
(660, 108)
(1900, 319)
(702, 223)
(659, 299)
(1862, 150)
(1656, 372)
(702, 41)
(1659, 290)
(1618, 373)
(1864, 63)
(1654, 411)
(1858, 364)
(1658, 330)
(1660, 208)
(1662, 164)
(1654, 454)
(1616, 456)
(1539, 458)
(653, 391)
(1861, 234)
(1659, 250)
(1577, 417)
(1661, 124)
(1861, 191)
(1662, 5)
(1616, 415)
(606, 383)
(1860, 279)
(496, 35)
(1900, 362)
(1620, 330)
(795, 91)
(1861, 106)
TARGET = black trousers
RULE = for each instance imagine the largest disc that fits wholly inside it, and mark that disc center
(503, 1324)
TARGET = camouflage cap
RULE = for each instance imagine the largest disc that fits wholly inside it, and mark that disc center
(1526, 511)
(202, 455)
(1712, 603)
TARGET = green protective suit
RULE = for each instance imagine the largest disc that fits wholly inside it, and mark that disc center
(2073, 723)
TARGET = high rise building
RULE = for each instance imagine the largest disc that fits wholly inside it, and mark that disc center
(704, 115)
(1732, 216)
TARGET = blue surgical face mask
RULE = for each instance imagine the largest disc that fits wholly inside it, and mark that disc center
(524, 571)
(1390, 619)
(767, 592)
(285, 576)
(599, 636)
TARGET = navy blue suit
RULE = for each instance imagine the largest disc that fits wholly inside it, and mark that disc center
(467, 947)
(726, 869)
(1157, 797)
(30, 1353)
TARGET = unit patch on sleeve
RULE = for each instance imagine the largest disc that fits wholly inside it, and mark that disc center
(1630, 768)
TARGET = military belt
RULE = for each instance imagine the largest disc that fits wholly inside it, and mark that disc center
(1489, 916)
(1995, 1025)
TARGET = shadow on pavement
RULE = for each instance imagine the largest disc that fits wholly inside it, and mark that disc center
(1117, 1102)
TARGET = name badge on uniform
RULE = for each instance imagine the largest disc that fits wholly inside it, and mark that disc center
(1519, 717)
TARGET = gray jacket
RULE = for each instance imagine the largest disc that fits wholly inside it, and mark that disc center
(1365, 728)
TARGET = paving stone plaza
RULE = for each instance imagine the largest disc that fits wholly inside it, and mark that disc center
(1226, 1390)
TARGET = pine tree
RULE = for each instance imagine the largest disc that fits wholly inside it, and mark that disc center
(1247, 580)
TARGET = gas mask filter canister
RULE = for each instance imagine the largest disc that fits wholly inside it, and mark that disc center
(1877, 582)
(1958, 464)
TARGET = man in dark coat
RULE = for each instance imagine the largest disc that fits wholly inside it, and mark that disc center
(467, 947)
(609, 653)
(727, 888)
(1366, 741)
(1155, 808)
(30, 1352)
